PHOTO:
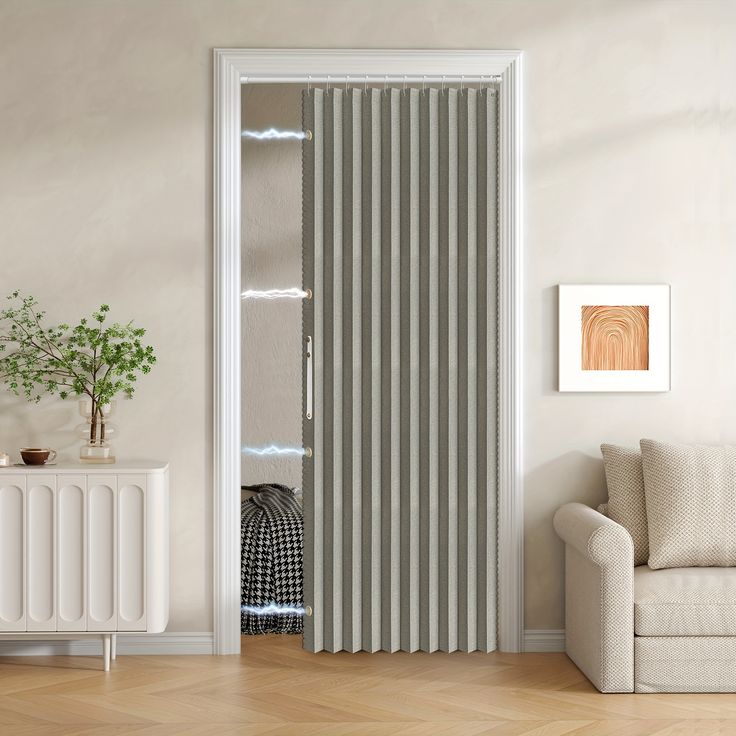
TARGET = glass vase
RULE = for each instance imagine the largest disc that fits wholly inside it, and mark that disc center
(97, 431)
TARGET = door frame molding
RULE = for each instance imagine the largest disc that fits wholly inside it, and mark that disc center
(234, 67)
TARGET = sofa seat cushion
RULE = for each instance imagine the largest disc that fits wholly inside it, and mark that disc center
(685, 601)
(685, 664)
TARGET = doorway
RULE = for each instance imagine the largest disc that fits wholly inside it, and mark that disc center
(234, 68)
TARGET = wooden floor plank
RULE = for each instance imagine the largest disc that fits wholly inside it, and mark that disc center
(276, 689)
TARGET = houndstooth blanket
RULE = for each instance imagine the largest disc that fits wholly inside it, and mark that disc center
(271, 531)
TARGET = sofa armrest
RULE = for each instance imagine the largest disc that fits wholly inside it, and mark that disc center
(595, 536)
(599, 596)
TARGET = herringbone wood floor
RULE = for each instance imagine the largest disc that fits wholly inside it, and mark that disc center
(277, 689)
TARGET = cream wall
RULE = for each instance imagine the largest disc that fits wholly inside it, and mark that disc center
(105, 168)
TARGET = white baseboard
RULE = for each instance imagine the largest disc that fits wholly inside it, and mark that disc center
(187, 642)
(544, 640)
(170, 642)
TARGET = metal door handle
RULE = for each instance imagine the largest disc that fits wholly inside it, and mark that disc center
(309, 377)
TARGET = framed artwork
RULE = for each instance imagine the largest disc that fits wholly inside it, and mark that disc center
(614, 337)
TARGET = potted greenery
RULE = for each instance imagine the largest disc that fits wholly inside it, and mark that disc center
(92, 360)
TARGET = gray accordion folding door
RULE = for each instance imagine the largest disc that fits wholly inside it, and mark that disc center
(400, 250)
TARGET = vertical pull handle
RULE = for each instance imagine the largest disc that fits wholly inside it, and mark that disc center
(309, 377)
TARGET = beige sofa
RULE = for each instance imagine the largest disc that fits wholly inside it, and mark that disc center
(670, 627)
(633, 629)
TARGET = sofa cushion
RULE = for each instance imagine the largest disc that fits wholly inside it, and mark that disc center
(687, 601)
(691, 504)
(685, 664)
(626, 500)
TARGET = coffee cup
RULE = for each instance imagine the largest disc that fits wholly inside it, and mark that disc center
(37, 455)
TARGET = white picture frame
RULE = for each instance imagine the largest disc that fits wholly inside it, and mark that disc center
(585, 351)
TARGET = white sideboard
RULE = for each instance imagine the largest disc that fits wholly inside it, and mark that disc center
(84, 551)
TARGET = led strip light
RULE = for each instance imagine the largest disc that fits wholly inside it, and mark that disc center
(272, 609)
(292, 293)
(274, 450)
(272, 134)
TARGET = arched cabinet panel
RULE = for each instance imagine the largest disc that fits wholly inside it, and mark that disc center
(12, 557)
(102, 562)
(132, 546)
(71, 553)
(40, 536)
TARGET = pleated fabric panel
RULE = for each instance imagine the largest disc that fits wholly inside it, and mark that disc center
(400, 250)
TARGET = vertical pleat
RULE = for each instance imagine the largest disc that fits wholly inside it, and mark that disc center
(377, 402)
(466, 371)
(463, 492)
(391, 366)
(397, 299)
(489, 206)
(337, 371)
(343, 637)
(328, 369)
(471, 340)
(400, 248)
(353, 572)
(425, 457)
(350, 483)
(484, 523)
(370, 341)
(409, 370)
(404, 364)
(413, 459)
(452, 373)
(367, 581)
(432, 245)
(426, 561)
(443, 363)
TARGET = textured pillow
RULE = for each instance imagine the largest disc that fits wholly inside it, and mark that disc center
(691, 504)
(626, 502)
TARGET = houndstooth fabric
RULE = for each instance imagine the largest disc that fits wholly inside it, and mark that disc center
(685, 664)
(271, 537)
(626, 499)
(685, 601)
(691, 497)
(599, 596)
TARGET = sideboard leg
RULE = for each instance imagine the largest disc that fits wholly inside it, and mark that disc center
(106, 651)
(113, 647)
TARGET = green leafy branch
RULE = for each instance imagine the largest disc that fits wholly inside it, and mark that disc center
(91, 359)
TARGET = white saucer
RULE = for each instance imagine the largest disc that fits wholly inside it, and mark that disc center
(25, 465)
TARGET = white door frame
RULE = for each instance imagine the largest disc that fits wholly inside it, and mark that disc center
(233, 67)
